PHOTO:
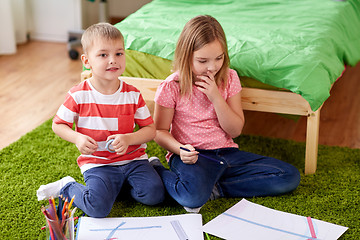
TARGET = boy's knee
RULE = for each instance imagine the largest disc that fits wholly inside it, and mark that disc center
(152, 195)
(153, 199)
(98, 213)
(99, 208)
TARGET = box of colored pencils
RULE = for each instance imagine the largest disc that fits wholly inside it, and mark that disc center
(59, 219)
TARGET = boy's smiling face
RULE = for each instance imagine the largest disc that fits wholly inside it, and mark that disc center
(106, 59)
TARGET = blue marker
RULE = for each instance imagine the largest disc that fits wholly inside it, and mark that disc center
(204, 156)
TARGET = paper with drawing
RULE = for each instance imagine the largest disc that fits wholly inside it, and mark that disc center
(247, 220)
(177, 227)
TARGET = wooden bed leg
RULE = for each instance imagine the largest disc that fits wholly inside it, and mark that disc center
(312, 138)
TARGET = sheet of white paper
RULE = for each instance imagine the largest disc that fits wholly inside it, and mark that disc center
(247, 220)
(176, 227)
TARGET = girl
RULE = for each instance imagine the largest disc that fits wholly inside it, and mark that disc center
(197, 113)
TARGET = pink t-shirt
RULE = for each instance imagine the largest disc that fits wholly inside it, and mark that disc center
(195, 121)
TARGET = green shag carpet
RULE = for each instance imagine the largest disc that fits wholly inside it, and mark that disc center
(40, 157)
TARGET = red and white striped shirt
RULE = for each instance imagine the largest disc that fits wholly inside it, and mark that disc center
(99, 116)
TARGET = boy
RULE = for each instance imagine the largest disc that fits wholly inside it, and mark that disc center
(105, 109)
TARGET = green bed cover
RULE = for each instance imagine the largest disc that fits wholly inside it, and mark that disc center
(298, 45)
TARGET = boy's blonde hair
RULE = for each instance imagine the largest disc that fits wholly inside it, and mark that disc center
(99, 31)
(198, 32)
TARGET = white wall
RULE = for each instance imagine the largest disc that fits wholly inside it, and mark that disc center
(50, 20)
(13, 25)
(7, 34)
(20, 20)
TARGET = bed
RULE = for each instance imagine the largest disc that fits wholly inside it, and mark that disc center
(288, 54)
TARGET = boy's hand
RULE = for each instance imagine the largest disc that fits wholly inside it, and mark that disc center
(189, 157)
(121, 143)
(86, 144)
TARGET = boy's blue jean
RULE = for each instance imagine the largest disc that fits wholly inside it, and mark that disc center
(243, 174)
(103, 184)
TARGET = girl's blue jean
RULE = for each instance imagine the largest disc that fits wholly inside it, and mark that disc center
(243, 174)
(103, 184)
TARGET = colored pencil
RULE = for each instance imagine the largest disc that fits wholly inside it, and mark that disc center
(60, 207)
(71, 202)
(73, 212)
(65, 208)
(47, 216)
(53, 207)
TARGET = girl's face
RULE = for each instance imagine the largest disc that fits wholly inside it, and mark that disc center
(208, 59)
(106, 59)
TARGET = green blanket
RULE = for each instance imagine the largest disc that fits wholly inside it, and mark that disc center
(301, 46)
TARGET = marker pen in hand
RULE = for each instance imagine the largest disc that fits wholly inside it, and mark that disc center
(204, 156)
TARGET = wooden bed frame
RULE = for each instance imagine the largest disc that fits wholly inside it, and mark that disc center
(254, 99)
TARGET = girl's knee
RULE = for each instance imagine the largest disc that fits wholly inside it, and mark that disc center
(294, 176)
(294, 180)
(290, 182)
(193, 200)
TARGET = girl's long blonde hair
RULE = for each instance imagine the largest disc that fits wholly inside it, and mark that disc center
(198, 32)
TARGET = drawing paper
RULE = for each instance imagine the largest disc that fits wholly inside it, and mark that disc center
(138, 228)
(247, 220)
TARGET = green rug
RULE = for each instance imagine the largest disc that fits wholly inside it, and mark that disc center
(40, 157)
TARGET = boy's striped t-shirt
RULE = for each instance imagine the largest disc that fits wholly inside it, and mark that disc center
(99, 116)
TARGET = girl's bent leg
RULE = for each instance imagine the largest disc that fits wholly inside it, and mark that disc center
(98, 196)
(250, 175)
(190, 184)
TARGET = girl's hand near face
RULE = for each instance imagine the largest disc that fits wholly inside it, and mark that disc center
(229, 112)
(208, 86)
(189, 157)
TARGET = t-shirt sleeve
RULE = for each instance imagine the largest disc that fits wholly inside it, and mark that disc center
(67, 112)
(166, 93)
(234, 85)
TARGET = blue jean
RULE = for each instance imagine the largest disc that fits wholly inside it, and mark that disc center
(103, 185)
(243, 174)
